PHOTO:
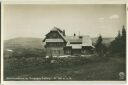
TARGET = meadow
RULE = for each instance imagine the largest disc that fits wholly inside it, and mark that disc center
(67, 69)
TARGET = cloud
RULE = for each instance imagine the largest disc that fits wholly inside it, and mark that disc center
(101, 19)
(114, 16)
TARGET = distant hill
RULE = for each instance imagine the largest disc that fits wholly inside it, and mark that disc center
(37, 42)
(106, 41)
(23, 43)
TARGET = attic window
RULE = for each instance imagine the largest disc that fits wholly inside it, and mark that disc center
(76, 43)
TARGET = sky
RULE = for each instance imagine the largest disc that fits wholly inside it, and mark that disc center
(38, 20)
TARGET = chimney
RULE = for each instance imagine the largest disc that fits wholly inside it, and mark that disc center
(63, 32)
(74, 34)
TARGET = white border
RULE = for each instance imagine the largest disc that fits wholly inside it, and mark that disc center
(64, 83)
(56, 2)
(65, 1)
(2, 12)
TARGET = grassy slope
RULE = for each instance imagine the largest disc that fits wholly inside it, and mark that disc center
(105, 69)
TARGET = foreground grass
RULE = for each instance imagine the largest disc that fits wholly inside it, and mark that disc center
(80, 69)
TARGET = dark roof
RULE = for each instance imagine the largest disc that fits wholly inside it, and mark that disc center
(58, 30)
(82, 40)
(72, 39)
(85, 40)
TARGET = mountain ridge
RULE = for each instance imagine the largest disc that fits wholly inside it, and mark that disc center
(30, 42)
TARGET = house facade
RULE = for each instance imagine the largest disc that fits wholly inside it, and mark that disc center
(57, 43)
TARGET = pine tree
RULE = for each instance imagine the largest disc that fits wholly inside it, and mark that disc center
(123, 43)
(100, 47)
(123, 34)
(118, 46)
(118, 36)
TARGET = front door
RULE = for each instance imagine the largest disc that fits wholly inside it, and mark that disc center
(76, 51)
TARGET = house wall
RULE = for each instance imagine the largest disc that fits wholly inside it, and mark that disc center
(76, 51)
(59, 51)
(67, 51)
(83, 51)
(54, 48)
(54, 51)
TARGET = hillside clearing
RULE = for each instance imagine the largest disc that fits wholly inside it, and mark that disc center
(90, 70)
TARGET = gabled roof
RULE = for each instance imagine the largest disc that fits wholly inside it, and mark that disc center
(73, 39)
(83, 40)
(57, 30)
(86, 41)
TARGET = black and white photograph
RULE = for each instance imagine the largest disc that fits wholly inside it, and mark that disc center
(64, 42)
(0, 42)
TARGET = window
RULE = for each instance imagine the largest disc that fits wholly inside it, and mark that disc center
(83, 51)
(68, 51)
(56, 51)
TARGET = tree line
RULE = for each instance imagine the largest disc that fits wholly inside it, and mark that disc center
(116, 47)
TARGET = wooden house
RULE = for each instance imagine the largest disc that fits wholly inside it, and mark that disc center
(57, 43)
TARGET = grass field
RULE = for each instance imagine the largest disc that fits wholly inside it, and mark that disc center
(67, 69)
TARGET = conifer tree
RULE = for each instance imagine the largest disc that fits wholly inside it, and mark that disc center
(123, 39)
(118, 46)
(100, 47)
